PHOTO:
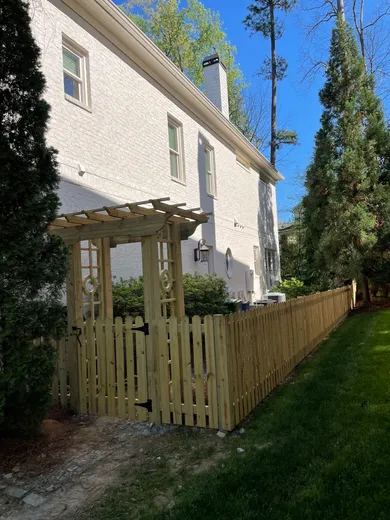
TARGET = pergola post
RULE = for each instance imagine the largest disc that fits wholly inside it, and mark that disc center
(152, 303)
(177, 271)
(106, 310)
(75, 323)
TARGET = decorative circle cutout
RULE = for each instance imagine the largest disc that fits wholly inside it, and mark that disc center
(229, 262)
(90, 285)
(165, 280)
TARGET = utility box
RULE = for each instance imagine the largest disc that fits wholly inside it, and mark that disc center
(275, 296)
(250, 280)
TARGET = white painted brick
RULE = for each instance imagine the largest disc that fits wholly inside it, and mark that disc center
(123, 145)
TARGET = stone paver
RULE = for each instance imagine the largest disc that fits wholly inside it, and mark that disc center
(15, 492)
(34, 500)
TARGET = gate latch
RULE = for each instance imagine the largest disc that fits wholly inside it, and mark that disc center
(147, 405)
(144, 328)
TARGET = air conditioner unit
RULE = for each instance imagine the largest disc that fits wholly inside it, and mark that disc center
(250, 280)
(277, 297)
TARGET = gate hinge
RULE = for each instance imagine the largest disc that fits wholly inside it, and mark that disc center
(144, 328)
(147, 405)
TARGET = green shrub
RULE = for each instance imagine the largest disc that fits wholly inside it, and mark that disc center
(27, 367)
(203, 294)
(293, 288)
(128, 297)
(27, 378)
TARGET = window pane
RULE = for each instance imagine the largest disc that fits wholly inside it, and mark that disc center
(208, 184)
(71, 87)
(71, 62)
(173, 138)
(207, 155)
(174, 165)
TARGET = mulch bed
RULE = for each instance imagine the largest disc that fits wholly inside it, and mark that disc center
(49, 448)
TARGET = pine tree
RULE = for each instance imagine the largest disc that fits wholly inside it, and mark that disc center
(262, 19)
(346, 185)
(32, 262)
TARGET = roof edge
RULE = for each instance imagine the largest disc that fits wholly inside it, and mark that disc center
(110, 21)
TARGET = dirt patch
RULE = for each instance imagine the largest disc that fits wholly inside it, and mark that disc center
(69, 465)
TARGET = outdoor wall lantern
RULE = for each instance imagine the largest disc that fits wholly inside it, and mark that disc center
(201, 253)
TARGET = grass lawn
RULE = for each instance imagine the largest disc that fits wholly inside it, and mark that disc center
(317, 448)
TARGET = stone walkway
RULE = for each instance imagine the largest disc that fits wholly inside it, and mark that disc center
(92, 462)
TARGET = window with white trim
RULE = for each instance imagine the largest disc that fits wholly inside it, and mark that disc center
(176, 155)
(210, 170)
(74, 63)
(270, 267)
(256, 258)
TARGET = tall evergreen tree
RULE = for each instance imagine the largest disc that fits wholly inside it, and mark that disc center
(346, 186)
(32, 262)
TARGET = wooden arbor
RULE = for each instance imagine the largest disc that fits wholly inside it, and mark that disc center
(90, 235)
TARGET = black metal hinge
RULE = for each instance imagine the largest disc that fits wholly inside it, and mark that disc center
(77, 332)
(147, 405)
(144, 328)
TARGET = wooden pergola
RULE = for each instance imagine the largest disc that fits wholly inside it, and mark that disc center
(90, 234)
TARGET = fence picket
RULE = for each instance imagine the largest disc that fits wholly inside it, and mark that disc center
(102, 367)
(141, 375)
(120, 367)
(175, 366)
(164, 370)
(130, 368)
(186, 370)
(110, 363)
(91, 355)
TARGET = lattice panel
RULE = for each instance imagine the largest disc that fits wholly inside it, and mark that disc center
(91, 278)
(167, 281)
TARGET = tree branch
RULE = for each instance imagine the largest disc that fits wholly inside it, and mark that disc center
(377, 18)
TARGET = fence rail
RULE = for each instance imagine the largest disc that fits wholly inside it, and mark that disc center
(212, 371)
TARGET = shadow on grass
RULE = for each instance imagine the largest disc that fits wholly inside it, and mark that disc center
(318, 448)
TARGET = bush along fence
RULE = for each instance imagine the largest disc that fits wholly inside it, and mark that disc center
(210, 372)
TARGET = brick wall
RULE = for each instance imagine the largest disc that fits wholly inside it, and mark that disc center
(122, 143)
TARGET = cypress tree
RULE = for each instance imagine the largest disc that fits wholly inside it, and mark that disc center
(32, 262)
(344, 180)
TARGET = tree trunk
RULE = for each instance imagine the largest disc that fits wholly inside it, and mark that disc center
(274, 84)
(340, 8)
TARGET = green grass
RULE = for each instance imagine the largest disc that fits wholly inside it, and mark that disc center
(328, 431)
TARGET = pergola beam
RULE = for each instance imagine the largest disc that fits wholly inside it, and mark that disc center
(138, 227)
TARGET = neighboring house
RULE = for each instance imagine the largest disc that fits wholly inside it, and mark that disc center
(129, 126)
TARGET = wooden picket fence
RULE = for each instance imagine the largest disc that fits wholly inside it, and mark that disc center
(212, 371)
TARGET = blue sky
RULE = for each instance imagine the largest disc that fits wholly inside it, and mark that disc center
(298, 105)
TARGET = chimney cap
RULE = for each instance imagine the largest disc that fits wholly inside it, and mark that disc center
(212, 60)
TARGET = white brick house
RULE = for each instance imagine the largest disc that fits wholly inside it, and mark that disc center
(129, 126)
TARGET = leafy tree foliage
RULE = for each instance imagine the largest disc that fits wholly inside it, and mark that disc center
(262, 19)
(188, 34)
(292, 247)
(348, 180)
(32, 262)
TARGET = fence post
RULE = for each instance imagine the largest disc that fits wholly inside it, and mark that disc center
(353, 294)
(224, 391)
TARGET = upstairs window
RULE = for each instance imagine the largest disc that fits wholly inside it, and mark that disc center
(210, 171)
(176, 156)
(74, 64)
